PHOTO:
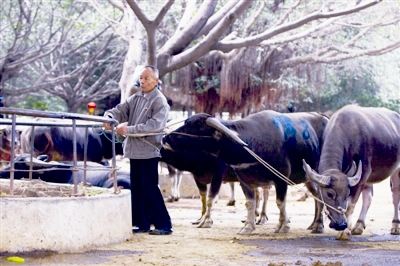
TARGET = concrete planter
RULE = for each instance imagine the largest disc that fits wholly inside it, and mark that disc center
(64, 224)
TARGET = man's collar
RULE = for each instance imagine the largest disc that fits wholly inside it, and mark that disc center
(149, 94)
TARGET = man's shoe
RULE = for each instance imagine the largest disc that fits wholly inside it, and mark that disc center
(160, 232)
(138, 230)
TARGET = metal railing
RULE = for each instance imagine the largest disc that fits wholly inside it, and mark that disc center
(72, 119)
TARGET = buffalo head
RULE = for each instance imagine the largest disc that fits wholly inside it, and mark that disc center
(6, 142)
(335, 187)
(39, 165)
(200, 132)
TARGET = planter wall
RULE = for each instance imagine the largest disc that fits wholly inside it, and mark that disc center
(64, 224)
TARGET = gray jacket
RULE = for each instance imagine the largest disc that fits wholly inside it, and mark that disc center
(143, 112)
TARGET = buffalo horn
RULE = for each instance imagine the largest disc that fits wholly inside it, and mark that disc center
(353, 180)
(215, 123)
(39, 163)
(352, 171)
(322, 180)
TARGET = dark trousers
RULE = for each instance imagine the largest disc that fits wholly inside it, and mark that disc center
(148, 205)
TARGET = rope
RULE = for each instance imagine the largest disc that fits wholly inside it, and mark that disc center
(290, 182)
(268, 166)
(102, 132)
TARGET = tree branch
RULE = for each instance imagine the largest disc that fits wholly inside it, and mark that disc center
(204, 46)
(255, 40)
(181, 39)
(342, 54)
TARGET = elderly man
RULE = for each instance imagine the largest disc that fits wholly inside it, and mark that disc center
(145, 111)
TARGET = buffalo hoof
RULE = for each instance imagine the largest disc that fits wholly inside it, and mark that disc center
(262, 220)
(198, 221)
(282, 229)
(206, 223)
(357, 231)
(344, 235)
(245, 231)
(303, 198)
(318, 229)
(172, 199)
(231, 203)
(395, 229)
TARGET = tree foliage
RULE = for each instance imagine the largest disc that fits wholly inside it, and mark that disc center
(58, 47)
(252, 43)
(226, 55)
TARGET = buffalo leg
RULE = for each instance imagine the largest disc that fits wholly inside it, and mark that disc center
(249, 225)
(367, 194)
(203, 195)
(367, 197)
(176, 194)
(317, 226)
(258, 194)
(281, 191)
(263, 218)
(395, 186)
(213, 191)
(232, 200)
(176, 176)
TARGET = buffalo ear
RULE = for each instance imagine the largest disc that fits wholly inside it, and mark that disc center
(321, 180)
(217, 135)
(215, 123)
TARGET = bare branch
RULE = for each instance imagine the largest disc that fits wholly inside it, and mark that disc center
(206, 43)
(255, 40)
(181, 39)
(340, 55)
(217, 17)
(117, 4)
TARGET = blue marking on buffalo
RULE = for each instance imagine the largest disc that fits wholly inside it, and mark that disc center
(306, 133)
(289, 132)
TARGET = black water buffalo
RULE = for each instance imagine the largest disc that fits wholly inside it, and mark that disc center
(60, 172)
(56, 143)
(206, 169)
(370, 137)
(282, 140)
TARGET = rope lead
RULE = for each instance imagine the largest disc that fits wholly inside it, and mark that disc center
(288, 181)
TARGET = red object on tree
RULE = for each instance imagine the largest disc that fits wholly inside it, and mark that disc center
(91, 106)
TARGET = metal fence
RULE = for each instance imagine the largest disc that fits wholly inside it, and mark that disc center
(70, 121)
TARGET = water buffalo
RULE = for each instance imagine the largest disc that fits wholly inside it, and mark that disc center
(56, 143)
(206, 169)
(366, 141)
(282, 140)
(5, 144)
(61, 172)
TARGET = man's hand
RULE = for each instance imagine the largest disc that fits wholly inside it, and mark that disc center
(122, 129)
(107, 126)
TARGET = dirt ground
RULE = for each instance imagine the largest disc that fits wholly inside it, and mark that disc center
(221, 245)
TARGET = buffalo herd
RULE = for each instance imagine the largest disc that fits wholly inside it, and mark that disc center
(337, 158)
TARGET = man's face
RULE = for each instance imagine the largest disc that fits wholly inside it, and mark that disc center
(148, 80)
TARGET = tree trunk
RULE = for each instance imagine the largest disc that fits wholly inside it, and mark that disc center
(133, 55)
